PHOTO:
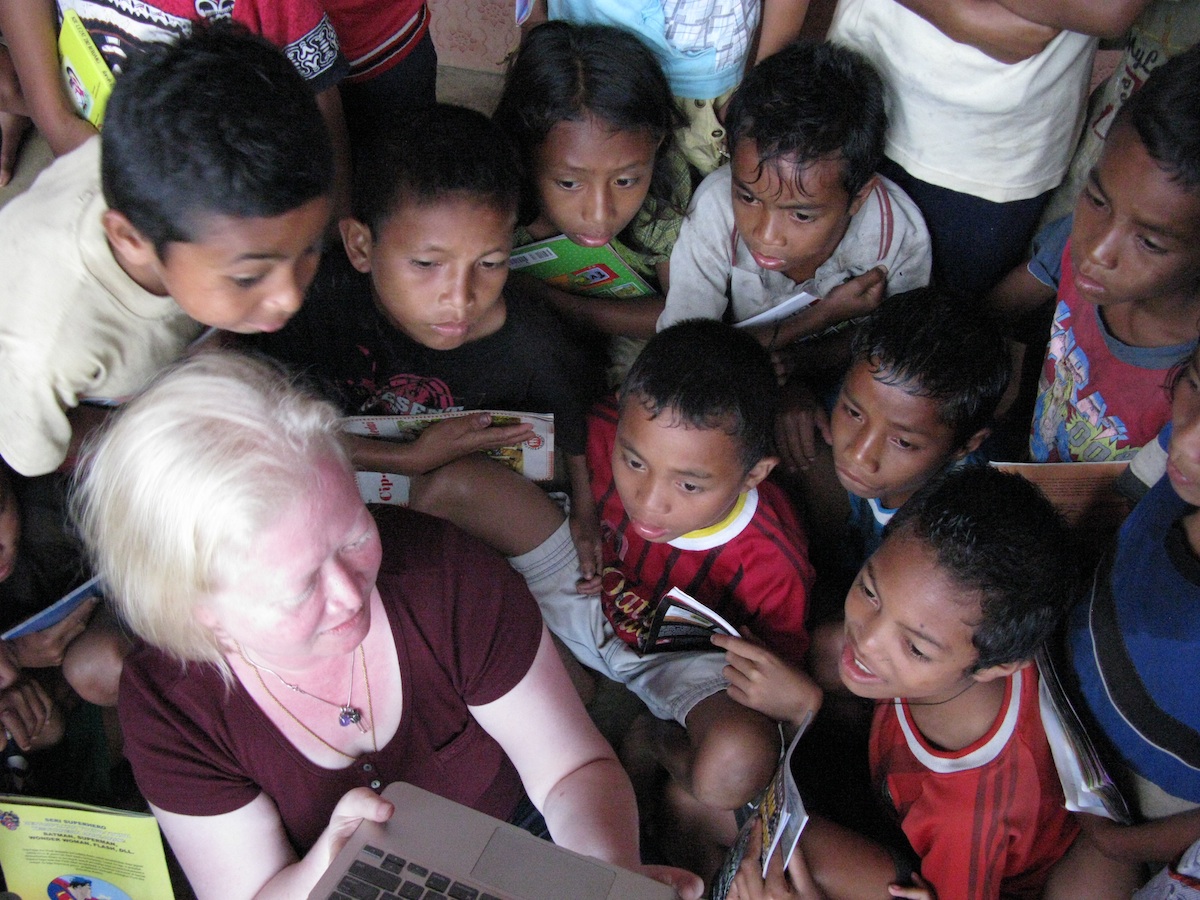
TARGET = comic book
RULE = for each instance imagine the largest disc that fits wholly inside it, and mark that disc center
(88, 79)
(534, 459)
(561, 262)
(681, 622)
(1086, 784)
(68, 851)
(779, 819)
(56, 611)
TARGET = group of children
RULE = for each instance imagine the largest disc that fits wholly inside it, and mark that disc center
(729, 457)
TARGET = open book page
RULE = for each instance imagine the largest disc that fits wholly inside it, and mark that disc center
(1086, 785)
(534, 459)
(681, 622)
(779, 820)
(57, 849)
(784, 309)
(563, 264)
(56, 611)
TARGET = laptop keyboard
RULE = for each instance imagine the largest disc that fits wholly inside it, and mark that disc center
(386, 876)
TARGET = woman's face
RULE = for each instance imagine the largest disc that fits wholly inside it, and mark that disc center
(302, 591)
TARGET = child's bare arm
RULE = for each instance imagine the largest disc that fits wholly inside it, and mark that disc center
(30, 31)
(762, 681)
(1159, 841)
(1019, 292)
(780, 25)
(985, 25)
(537, 15)
(1110, 19)
(437, 445)
(585, 525)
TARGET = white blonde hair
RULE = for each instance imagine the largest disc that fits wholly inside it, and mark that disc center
(182, 480)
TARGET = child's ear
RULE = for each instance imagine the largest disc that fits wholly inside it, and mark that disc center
(858, 199)
(759, 471)
(1002, 670)
(972, 443)
(128, 244)
(357, 239)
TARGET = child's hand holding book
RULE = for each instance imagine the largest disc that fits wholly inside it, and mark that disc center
(762, 681)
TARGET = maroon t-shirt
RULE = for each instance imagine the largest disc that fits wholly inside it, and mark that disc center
(466, 632)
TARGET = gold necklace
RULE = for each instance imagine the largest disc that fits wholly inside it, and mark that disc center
(347, 714)
(362, 655)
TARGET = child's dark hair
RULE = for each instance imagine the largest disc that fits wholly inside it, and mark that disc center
(217, 123)
(431, 153)
(996, 533)
(933, 345)
(1165, 113)
(710, 375)
(812, 101)
(567, 73)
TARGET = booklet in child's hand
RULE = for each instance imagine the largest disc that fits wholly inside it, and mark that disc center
(88, 79)
(681, 622)
(534, 459)
(562, 263)
(779, 818)
(56, 611)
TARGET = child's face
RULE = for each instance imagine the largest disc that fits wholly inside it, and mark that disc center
(437, 269)
(591, 180)
(1136, 233)
(787, 229)
(1183, 455)
(674, 478)
(240, 274)
(10, 527)
(888, 442)
(908, 626)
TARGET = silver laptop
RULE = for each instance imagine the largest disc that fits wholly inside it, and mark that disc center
(433, 848)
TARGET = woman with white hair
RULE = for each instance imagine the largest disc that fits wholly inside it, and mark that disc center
(296, 657)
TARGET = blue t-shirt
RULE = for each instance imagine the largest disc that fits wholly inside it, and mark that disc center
(1153, 596)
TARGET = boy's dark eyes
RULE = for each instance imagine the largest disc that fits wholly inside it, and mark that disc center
(422, 263)
(1151, 246)
(851, 411)
(905, 445)
(1095, 199)
(247, 281)
(803, 217)
(626, 181)
(914, 650)
(689, 487)
(566, 184)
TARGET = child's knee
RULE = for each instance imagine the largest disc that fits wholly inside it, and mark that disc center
(735, 752)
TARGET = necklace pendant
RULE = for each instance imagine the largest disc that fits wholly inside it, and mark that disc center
(351, 715)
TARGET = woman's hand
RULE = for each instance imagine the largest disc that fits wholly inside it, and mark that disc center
(356, 806)
(46, 648)
(762, 681)
(687, 885)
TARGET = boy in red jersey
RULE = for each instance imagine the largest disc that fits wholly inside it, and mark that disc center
(941, 627)
(677, 472)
